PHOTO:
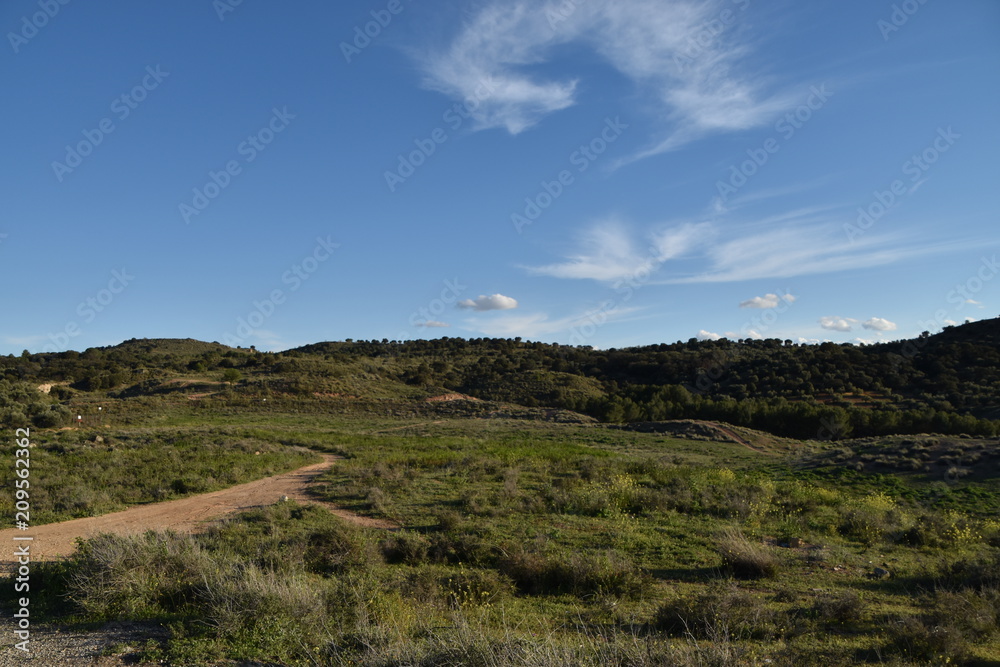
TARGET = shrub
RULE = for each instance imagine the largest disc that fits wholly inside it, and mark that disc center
(114, 576)
(842, 608)
(406, 547)
(264, 615)
(462, 547)
(745, 559)
(582, 575)
(720, 611)
(335, 549)
(916, 639)
(867, 520)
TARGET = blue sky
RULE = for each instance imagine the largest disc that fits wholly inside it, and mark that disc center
(594, 173)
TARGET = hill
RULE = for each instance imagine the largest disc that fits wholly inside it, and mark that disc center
(946, 383)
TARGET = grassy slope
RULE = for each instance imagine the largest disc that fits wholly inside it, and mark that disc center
(534, 540)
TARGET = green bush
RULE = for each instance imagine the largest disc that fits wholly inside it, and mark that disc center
(721, 611)
(114, 577)
(582, 575)
(406, 547)
(842, 608)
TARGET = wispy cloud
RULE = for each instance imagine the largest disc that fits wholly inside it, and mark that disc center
(793, 250)
(608, 253)
(797, 243)
(680, 52)
(432, 324)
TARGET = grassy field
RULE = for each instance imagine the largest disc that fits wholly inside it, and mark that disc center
(529, 543)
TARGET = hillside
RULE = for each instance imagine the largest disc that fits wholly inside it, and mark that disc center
(946, 383)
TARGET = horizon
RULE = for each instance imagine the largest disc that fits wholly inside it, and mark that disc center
(519, 339)
(589, 175)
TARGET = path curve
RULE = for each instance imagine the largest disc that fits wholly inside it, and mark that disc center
(740, 440)
(186, 515)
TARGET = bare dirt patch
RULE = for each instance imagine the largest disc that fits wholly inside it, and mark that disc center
(443, 398)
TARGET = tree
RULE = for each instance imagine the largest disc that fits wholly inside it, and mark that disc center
(231, 375)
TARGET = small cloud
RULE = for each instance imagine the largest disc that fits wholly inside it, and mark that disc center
(432, 324)
(973, 302)
(492, 302)
(767, 301)
(837, 323)
(950, 323)
(865, 341)
(879, 324)
(809, 341)
(707, 335)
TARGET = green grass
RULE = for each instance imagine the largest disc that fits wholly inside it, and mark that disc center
(528, 543)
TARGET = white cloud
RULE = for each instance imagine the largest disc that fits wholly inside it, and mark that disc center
(879, 324)
(708, 335)
(492, 302)
(666, 49)
(433, 324)
(607, 253)
(837, 323)
(798, 249)
(767, 301)
(809, 341)
(794, 243)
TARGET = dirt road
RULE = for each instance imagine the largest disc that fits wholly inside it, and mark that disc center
(188, 515)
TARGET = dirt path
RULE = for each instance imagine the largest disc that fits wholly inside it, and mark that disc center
(187, 515)
(739, 439)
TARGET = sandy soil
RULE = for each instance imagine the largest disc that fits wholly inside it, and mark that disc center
(188, 515)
